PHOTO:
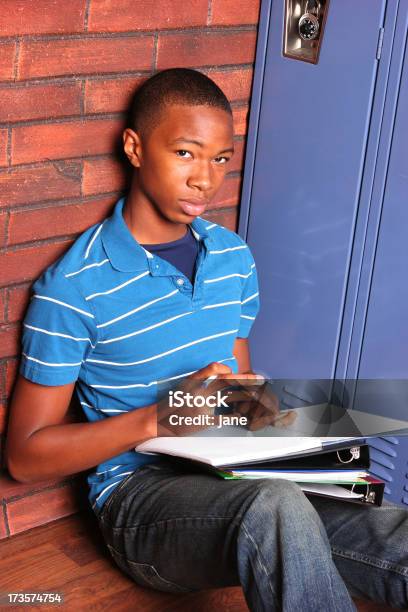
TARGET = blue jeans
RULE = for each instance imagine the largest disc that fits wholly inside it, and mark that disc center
(177, 531)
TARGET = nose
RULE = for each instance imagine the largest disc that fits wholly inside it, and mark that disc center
(201, 176)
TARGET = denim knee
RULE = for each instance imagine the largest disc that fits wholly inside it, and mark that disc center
(283, 548)
(282, 495)
(284, 502)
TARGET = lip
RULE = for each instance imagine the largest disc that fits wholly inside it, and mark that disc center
(193, 207)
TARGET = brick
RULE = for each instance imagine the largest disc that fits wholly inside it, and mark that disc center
(2, 378)
(3, 417)
(105, 175)
(128, 15)
(235, 12)
(30, 225)
(39, 101)
(12, 489)
(207, 48)
(3, 219)
(44, 182)
(237, 161)
(2, 452)
(27, 264)
(3, 147)
(240, 120)
(9, 340)
(2, 305)
(85, 56)
(61, 140)
(40, 508)
(7, 54)
(229, 193)
(18, 299)
(110, 95)
(236, 84)
(11, 374)
(40, 17)
(228, 218)
(4, 532)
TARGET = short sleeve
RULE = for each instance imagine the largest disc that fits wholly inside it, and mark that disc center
(59, 331)
(250, 303)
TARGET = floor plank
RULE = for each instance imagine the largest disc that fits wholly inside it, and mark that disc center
(69, 556)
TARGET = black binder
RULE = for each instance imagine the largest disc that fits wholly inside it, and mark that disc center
(345, 458)
(354, 457)
(372, 491)
(251, 460)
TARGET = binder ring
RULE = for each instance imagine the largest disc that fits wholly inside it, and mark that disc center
(342, 460)
(361, 484)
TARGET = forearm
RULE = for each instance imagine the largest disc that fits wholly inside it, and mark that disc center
(61, 450)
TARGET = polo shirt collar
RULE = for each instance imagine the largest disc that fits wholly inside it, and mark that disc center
(124, 251)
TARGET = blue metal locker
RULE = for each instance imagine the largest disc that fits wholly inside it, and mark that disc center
(310, 150)
(380, 348)
(317, 148)
(389, 461)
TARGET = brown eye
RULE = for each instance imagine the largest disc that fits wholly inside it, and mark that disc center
(183, 153)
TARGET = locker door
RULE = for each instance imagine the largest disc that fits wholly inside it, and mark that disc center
(382, 386)
(310, 148)
(384, 349)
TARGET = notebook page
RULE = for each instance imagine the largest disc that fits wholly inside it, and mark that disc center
(330, 490)
(224, 451)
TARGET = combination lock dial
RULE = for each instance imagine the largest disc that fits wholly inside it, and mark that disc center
(309, 22)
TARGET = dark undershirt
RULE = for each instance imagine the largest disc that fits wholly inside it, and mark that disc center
(181, 253)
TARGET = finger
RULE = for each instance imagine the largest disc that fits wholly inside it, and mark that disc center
(212, 369)
(225, 381)
(244, 379)
(238, 396)
(205, 375)
(264, 420)
(243, 408)
(255, 425)
(267, 415)
(286, 419)
(283, 420)
(258, 411)
(269, 400)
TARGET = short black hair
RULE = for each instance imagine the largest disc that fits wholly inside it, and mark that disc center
(173, 86)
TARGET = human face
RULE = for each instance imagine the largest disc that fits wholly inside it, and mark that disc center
(183, 160)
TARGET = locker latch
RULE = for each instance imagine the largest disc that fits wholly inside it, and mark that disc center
(303, 29)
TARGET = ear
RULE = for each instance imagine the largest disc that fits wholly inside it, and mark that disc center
(132, 145)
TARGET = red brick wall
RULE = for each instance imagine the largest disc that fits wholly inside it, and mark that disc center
(67, 71)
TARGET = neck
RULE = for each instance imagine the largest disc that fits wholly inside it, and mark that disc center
(145, 222)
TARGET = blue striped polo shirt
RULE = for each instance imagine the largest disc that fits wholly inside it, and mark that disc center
(120, 321)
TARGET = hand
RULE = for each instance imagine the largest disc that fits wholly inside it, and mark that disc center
(171, 420)
(250, 395)
(263, 409)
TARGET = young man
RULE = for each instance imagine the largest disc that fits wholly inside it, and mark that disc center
(156, 294)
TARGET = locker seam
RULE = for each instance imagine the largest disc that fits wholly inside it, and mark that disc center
(377, 233)
(364, 240)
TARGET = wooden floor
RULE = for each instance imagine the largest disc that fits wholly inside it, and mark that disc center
(69, 556)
